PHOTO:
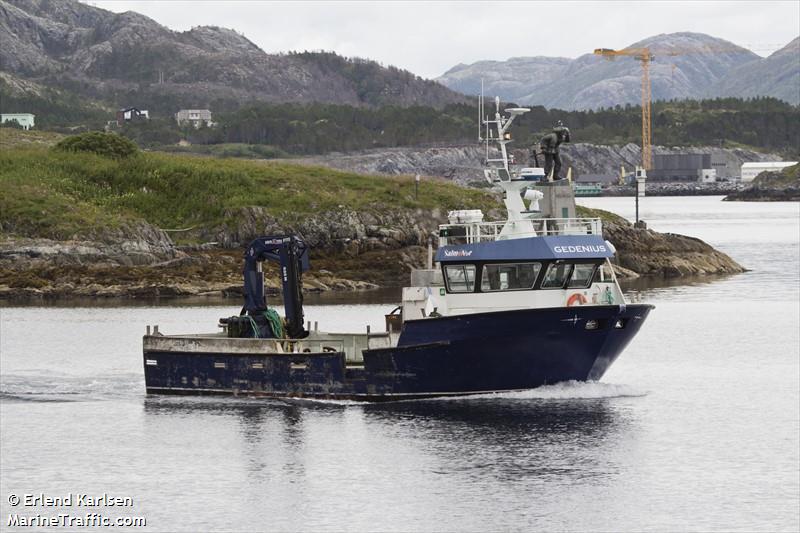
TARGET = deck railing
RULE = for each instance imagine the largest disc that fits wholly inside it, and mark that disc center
(474, 232)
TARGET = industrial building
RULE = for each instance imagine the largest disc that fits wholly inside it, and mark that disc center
(682, 168)
(751, 170)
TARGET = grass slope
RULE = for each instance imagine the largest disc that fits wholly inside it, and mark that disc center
(53, 194)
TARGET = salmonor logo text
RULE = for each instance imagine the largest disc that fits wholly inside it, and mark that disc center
(579, 249)
(457, 253)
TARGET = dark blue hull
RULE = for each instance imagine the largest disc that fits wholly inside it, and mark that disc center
(467, 354)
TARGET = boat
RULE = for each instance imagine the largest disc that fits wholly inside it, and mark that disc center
(501, 306)
(587, 189)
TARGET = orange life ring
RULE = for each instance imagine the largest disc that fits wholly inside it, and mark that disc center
(576, 298)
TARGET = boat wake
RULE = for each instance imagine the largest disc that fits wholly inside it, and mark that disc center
(63, 388)
(568, 390)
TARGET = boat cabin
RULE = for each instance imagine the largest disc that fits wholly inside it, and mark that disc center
(564, 262)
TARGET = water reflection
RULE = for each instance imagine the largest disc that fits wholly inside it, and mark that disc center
(509, 440)
(505, 417)
(493, 419)
(513, 440)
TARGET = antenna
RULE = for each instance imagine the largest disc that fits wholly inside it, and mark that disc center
(480, 112)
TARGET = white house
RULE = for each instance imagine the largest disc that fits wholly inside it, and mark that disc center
(23, 119)
(751, 170)
(194, 116)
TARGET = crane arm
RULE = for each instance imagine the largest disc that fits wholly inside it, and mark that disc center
(292, 255)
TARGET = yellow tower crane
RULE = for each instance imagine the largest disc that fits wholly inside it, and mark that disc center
(645, 57)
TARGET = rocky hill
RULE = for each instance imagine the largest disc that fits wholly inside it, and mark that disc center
(132, 60)
(777, 75)
(514, 80)
(463, 163)
(685, 65)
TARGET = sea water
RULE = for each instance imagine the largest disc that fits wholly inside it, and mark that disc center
(695, 428)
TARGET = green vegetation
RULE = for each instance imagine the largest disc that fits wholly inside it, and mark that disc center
(787, 176)
(606, 216)
(322, 128)
(54, 108)
(375, 84)
(15, 138)
(105, 144)
(759, 123)
(792, 172)
(58, 194)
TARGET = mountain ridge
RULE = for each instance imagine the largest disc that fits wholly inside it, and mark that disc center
(73, 45)
(127, 59)
(686, 65)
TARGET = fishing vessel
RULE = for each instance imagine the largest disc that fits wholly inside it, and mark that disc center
(502, 306)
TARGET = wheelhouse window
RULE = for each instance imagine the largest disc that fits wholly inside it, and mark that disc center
(556, 275)
(509, 276)
(460, 278)
(582, 275)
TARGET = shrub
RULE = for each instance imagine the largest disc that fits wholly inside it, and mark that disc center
(105, 144)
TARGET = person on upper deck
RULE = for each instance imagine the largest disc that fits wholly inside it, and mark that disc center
(549, 146)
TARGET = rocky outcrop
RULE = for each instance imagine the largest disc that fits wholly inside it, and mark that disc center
(340, 231)
(84, 271)
(463, 163)
(131, 244)
(677, 189)
(665, 255)
(764, 194)
(770, 187)
(351, 250)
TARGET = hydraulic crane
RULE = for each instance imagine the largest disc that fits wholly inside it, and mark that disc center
(292, 255)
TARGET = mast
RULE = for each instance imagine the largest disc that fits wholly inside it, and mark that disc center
(498, 172)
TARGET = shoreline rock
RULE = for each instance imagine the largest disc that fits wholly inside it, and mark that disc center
(770, 187)
(677, 189)
(351, 256)
(666, 255)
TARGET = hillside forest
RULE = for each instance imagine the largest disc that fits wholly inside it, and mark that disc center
(277, 130)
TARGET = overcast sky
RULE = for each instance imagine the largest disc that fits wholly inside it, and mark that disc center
(428, 38)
